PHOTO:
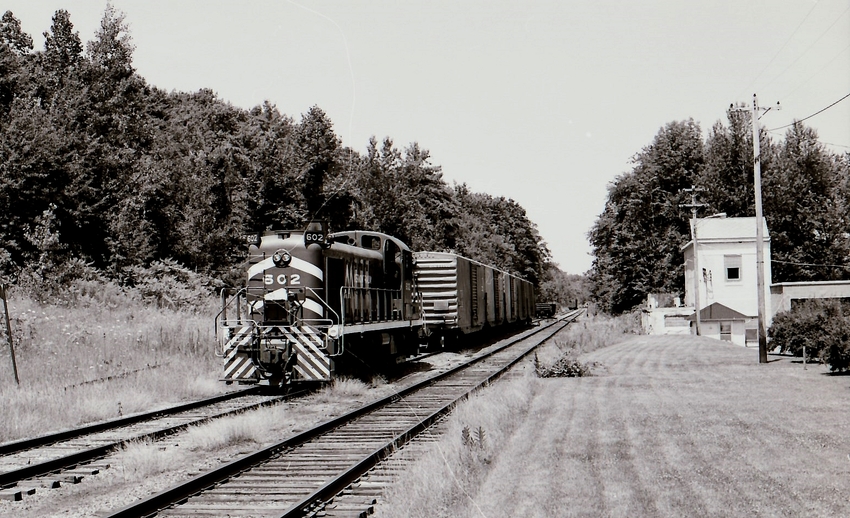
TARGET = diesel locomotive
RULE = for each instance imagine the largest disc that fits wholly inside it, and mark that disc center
(315, 305)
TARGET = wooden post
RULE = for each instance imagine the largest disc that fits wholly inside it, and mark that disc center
(694, 206)
(9, 332)
(762, 333)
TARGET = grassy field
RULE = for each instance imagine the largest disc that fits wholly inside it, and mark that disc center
(666, 426)
(106, 355)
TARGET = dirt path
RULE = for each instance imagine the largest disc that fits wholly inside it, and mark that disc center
(679, 427)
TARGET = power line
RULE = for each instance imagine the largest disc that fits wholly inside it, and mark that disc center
(809, 47)
(786, 96)
(780, 50)
(810, 116)
(811, 264)
(836, 145)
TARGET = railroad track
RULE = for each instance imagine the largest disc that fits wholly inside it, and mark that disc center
(299, 476)
(66, 457)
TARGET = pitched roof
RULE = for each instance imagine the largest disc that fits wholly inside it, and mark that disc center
(718, 311)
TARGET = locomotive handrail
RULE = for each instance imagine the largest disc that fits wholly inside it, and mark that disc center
(325, 304)
(225, 303)
(331, 321)
(368, 307)
(373, 304)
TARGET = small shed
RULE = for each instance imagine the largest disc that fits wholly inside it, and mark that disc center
(721, 322)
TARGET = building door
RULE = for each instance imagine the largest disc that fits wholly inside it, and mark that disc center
(726, 331)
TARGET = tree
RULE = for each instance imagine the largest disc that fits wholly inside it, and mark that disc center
(567, 290)
(15, 46)
(316, 146)
(63, 53)
(727, 179)
(270, 186)
(806, 218)
(637, 238)
(11, 34)
(402, 194)
(497, 231)
(821, 327)
(33, 175)
(124, 175)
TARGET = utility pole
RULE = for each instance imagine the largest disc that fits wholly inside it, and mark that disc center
(5, 300)
(694, 206)
(762, 332)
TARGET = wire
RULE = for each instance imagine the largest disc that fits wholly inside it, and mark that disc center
(780, 49)
(811, 264)
(810, 116)
(351, 117)
(824, 33)
(786, 96)
(836, 145)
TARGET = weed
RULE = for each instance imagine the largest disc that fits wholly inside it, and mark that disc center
(565, 367)
(444, 484)
(78, 358)
(140, 459)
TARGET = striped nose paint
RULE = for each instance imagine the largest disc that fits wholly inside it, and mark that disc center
(278, 283)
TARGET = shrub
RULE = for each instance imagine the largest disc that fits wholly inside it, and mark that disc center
(564, 367)
(168, 284)
(821, 326)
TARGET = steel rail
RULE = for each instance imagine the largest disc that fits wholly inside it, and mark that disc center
(336, 485)
(168, 497)
(14, 477)
(44, 440)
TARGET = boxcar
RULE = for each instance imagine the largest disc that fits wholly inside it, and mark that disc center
(462, 296)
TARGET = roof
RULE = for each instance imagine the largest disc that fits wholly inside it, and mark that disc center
(718, 311)
(725, 229)
(728, 228)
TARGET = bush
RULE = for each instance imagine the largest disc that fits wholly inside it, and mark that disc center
(168, 284)
(821, 326)
(564, 367)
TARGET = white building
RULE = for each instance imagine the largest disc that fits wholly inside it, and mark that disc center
(726, 262)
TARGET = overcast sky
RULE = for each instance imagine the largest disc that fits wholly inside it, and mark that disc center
(544, 102)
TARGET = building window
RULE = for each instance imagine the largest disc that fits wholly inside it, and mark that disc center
(732, 265)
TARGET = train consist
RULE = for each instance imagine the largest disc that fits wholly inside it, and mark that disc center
(315, 305)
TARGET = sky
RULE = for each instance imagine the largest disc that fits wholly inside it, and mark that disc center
(543, 102)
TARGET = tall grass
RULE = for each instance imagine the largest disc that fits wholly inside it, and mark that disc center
(592, 332)
(101, 353)
(445, 483)
(586, 335)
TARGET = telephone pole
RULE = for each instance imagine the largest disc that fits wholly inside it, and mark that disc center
(694, 206)
(762, 333)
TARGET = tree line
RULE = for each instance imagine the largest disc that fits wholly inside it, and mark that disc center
(101, 170)
(637, 239)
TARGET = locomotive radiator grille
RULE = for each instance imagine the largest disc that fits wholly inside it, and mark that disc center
(239, 366)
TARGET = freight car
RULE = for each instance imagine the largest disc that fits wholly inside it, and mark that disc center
(462, 296)
(546, 309)
(315, 305)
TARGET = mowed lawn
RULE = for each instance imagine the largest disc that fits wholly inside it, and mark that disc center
(679, 426)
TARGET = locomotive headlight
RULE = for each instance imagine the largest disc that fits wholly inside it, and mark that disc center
(281, 258)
